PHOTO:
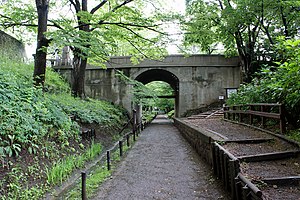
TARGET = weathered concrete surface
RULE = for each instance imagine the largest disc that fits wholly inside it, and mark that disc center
(199, 138)
(161, 165)
(11, 48)
(197, 80)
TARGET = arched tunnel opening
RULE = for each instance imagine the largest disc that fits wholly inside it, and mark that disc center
(163, 76)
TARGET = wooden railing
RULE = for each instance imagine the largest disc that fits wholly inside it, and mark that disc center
(248, 112)
(227, 168)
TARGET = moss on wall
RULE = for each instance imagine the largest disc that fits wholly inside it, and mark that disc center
(11, 48)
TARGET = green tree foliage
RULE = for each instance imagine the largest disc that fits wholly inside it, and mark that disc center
(277, 84)
(160, 88)
(93, 30)
(245, 28)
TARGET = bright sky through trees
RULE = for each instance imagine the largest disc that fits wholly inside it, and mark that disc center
(172, 29)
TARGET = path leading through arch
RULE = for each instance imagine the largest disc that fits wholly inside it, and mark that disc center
(161, 165)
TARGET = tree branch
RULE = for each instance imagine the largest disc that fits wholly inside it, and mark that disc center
(221, 5)
(136, 34)
(138, 49)
(54, 24)
(7, 25)
(98, 6)
(124, 25)
(114, 10)
(6, 17)
(76, 5)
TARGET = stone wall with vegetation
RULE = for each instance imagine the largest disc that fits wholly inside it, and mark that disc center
(11, 48)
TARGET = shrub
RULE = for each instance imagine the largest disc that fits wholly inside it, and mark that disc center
(276, 84)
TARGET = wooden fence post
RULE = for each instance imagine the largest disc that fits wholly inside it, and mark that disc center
(108, 159)
(121, 148)
(83, 185)
(238, 185)
(282, 119)
(250, 115)
(128, 140)
(134, 124)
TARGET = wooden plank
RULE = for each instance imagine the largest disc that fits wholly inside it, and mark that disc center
(264, 114)
(269, 156)
(250, 141)
(257, 113)
(231, 156)
(218, 134)
(264, 104)
(237, 111)
(250, 185)
(283, 181)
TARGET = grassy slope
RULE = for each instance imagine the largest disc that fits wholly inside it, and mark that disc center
(36, 130)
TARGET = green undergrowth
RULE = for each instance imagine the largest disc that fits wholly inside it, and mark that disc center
(97, 176)
(40, 144)
(63, 168)
(27, 116)
(294, 135)
(89, 110)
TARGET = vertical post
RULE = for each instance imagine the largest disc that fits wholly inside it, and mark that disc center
(134, 124)
(251, 116)
(263, 119)
(282, 119)
(83, 186)
(240, 114)
(226, 169)
(233, 113)
(232, 175)
(218, 164)
(245, 192)
(108, 159)
(214, 162)
(127, 140)
(121, 148)
(238, 188)
(224, 113)
(221, 164)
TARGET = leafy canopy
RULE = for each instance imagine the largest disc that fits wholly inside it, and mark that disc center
(276, 84)
(126, 30)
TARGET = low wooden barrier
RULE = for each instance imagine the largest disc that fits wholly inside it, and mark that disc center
(250, 111)
(227, 168)
(225, 165)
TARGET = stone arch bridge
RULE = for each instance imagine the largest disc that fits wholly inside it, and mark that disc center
(197, 80)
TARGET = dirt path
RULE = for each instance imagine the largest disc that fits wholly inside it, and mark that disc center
(161, 165)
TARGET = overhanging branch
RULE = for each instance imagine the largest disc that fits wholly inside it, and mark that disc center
(113, 10)
(98, 6)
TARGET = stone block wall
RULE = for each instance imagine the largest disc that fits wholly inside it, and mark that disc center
(199, 138)
(11, 48)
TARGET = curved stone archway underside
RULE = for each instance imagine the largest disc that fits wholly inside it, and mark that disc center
(162, 75)
(159, 75)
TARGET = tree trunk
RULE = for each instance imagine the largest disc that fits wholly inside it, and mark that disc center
(79, 62)
(78, 76)
(42, 42)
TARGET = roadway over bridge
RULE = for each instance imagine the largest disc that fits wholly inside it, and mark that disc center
(197, 80)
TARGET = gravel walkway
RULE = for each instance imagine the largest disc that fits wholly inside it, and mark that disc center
(161, 165)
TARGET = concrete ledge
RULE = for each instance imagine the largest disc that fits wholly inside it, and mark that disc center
(199, 138)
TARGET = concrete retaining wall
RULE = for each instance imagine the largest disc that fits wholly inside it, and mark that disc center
(200, 139)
